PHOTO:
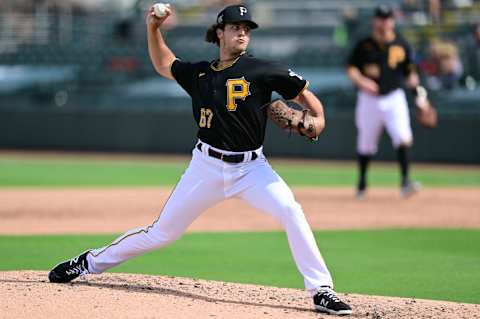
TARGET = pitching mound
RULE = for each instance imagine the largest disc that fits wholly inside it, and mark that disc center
(29, 295)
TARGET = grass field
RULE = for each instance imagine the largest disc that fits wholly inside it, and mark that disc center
(433, 264)
(108, 172)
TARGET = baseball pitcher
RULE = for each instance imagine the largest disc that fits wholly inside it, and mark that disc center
(230, 104)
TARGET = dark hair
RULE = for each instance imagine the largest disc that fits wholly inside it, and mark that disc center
(211, 35)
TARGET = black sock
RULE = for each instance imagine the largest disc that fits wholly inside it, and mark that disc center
(402, 155)
(363, 161)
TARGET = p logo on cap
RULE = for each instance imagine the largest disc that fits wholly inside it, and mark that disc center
(243, 10)
(236, 14)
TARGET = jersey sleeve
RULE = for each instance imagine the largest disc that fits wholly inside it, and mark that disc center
(356, 56)
(409, 65)
(184, 73)
(284, 81)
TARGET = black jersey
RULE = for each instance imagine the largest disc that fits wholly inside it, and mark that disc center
(386, 64)
(227, 102)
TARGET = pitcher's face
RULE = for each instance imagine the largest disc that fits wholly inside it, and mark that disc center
(235, 37)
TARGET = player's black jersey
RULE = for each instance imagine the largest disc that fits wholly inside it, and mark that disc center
(386, 64)
(227, 102)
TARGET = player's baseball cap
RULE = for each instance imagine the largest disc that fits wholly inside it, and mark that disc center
(236, 13)
(383, 11)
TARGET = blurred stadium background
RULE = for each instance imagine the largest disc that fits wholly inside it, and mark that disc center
(75, 74)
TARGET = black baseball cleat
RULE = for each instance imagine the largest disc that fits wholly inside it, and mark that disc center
(70, 269)
(360, 194)
(327, 301)
(361, 190)
(409, 188)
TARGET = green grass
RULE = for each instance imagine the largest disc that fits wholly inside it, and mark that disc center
(433, 264)
(380, 175)
(113, 172)
(71, 172)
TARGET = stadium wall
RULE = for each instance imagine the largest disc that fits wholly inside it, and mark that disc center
(455, 141)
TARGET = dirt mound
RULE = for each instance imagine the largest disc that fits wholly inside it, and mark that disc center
(29, 295)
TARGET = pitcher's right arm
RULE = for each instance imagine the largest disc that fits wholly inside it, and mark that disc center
(160, 54)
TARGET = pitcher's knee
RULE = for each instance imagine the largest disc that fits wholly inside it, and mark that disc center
(161, 236)
(164, 239)
(290, 211)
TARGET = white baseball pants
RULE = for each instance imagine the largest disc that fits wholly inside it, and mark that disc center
(375, 112)
(206, 182)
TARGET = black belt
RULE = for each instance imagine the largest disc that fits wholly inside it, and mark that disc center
(229, 158)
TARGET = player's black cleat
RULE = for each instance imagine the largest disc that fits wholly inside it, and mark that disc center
(409, 188)
(327, 301)
(361, 191)
(70, 269)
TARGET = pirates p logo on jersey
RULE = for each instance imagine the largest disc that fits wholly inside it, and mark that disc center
(396, 55)
(237, 89)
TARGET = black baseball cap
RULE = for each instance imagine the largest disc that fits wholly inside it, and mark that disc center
(383, 11)
(236, 13)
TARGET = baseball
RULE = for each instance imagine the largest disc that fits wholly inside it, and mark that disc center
(160, 9)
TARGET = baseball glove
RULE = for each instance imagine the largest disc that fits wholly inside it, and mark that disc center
(288, 118)
(426, 113)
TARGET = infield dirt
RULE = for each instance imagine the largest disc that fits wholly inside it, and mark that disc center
(94, 211)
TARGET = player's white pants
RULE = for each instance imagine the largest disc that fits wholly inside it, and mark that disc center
(206, 182)
(375, 112)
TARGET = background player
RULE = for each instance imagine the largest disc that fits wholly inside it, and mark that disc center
(227, 98)
(380, 65)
